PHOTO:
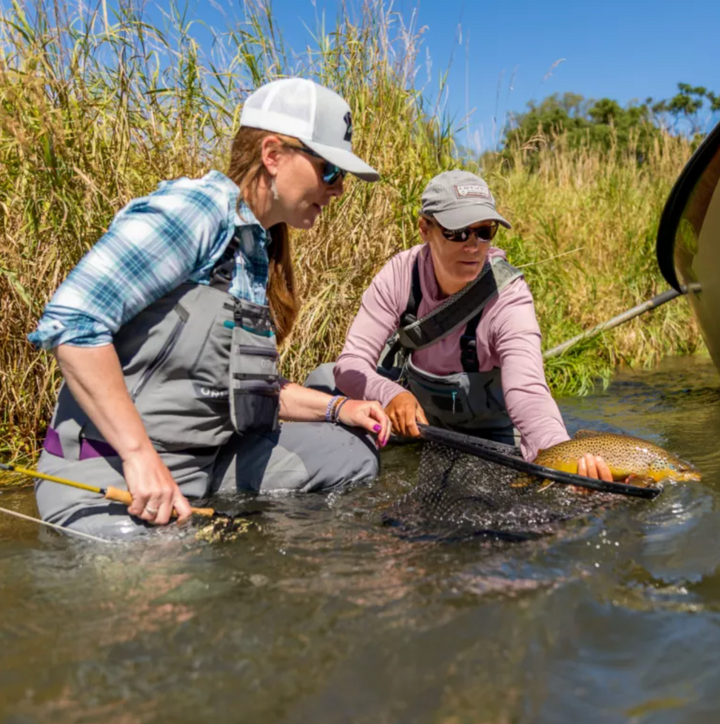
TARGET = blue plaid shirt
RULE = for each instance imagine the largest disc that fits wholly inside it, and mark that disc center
(174, 235)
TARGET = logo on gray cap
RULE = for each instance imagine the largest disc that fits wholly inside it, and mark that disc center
(480, 191)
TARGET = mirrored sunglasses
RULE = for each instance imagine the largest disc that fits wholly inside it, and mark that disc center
(486, 232)
(330, 172)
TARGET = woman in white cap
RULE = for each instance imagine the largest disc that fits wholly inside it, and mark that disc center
(166, 333)
(453, 328)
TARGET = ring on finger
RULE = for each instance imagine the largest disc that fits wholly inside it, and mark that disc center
(151, 511)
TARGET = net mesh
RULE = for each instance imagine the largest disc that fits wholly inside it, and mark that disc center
(458, 494)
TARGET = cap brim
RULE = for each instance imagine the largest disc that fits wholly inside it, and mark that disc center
(468, 215)
(346, 160)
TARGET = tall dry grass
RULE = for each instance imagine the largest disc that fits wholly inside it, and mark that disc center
(97, 108)
(594, 216)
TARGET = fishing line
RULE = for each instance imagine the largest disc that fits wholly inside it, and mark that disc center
(493, 452)
(52, 525)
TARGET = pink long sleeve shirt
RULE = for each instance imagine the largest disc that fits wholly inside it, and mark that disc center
(508, 337)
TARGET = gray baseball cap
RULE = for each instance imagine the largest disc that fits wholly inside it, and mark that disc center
(313, 114)
(458, 199)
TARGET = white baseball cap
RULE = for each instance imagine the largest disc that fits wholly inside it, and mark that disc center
(313, 114)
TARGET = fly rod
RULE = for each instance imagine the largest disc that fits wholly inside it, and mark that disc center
(110, 493)
(490, 451)
(627, 315)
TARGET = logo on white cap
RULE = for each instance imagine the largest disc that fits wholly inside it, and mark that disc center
(348, 130)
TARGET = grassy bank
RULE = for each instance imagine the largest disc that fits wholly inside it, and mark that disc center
(97, 108)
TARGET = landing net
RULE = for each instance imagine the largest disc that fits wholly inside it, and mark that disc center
(458, 494)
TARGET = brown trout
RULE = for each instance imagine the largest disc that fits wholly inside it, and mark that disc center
(629, 458)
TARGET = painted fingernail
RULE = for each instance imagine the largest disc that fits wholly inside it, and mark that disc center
(377, 428)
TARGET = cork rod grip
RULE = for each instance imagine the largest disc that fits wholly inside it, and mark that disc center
(123, 496)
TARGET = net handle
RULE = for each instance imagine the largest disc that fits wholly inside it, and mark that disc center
(475, 446)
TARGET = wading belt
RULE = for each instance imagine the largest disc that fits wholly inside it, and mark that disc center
(465, 307)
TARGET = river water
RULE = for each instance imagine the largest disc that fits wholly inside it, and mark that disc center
(319, 613)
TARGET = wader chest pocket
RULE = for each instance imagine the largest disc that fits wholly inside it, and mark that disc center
(212, 363)
(261, 362)
(254, 386)
(446, 402)
(444, 398)
(255, 406)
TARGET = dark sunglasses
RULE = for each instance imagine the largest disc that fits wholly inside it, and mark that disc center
(486, 232)
(330, 172)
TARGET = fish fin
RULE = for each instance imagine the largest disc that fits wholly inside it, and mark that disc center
(523, 481)
(639, 481)
(586, 433)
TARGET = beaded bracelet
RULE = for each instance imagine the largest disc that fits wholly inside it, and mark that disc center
(335, 408)
(338, 408)
(330, 410)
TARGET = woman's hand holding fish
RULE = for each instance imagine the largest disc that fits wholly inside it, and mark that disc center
(592, 466)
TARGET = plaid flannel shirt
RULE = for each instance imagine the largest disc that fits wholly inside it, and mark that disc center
(174, 235)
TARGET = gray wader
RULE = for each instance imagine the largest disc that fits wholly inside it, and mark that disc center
(470, 401)
(201, 368)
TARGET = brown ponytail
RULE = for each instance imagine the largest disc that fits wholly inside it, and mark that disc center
(245, 169)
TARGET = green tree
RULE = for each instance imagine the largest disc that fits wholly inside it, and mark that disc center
(683, 110)
(607, 125)
(602, 124)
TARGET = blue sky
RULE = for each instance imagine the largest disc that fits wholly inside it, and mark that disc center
(506, 54)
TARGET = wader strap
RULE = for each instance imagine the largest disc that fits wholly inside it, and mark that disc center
(468, 346)
(222, 273)
(409, 316)
(458, 309)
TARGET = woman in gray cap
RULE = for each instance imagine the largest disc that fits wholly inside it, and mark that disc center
(453, 328)
(166, 333)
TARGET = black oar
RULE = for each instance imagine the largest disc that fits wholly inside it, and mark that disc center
(488, 451)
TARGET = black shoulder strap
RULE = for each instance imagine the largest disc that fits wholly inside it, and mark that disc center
(222, 273)
(458, 309)
(465, 307)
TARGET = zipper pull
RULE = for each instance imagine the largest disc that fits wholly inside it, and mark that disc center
(454, 395)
